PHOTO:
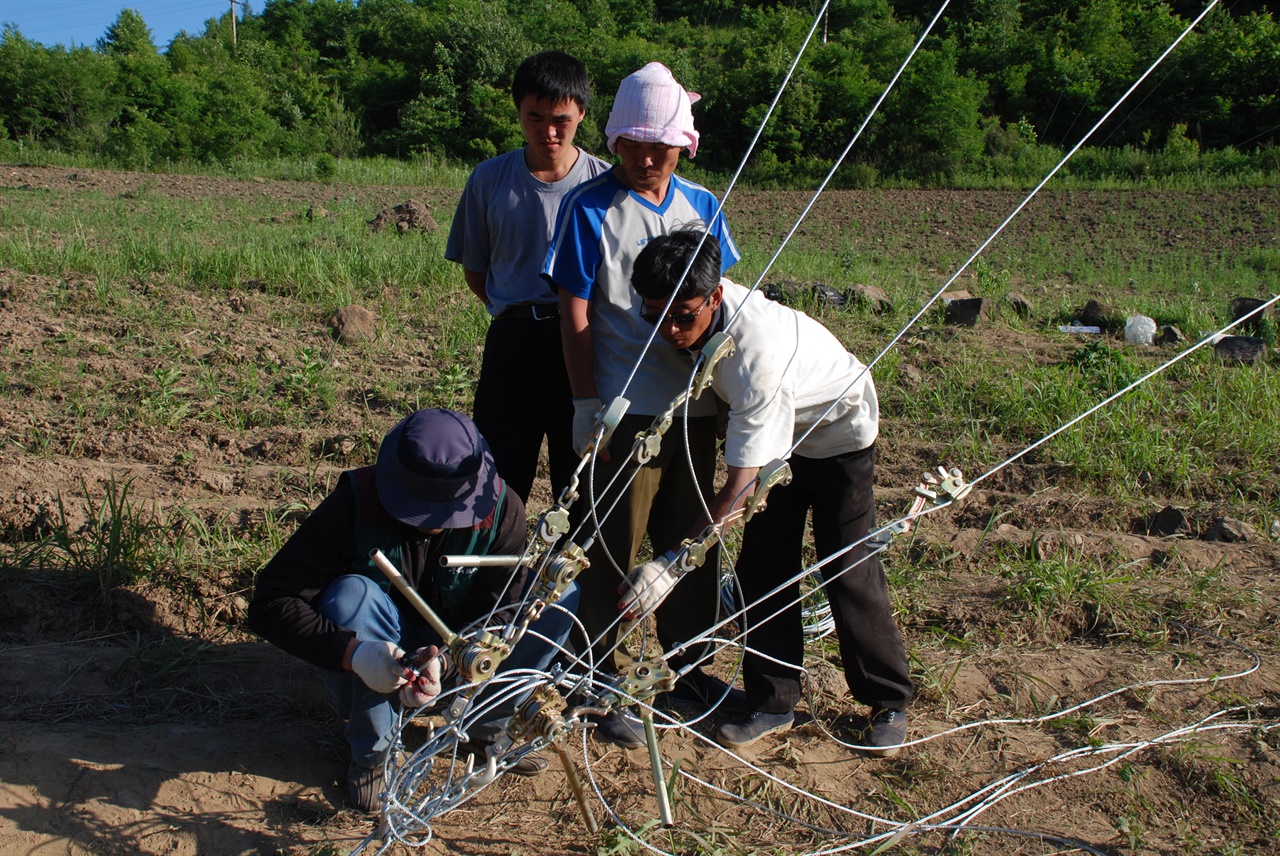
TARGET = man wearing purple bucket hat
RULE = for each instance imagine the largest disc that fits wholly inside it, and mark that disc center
(600, 229)
(434, 491)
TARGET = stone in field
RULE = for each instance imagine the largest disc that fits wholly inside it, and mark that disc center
(1019, 304)
(1095, 313)
(825, 295)
(872, 298)
(1231, 530)
(776, 293)
(968, 312)
(354, 324)
(1170, 335)
(1163, 523)
(1247, 350)
(1242, 306)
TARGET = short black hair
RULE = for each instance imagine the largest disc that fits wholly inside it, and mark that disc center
(552, 75)
(658, 267)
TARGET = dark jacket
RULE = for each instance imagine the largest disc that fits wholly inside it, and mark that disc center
(333, 541)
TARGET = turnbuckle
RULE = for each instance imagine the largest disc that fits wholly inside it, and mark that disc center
(951, 483)
(555, 579)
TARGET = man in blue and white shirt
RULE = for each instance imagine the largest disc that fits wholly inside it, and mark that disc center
(601, 228)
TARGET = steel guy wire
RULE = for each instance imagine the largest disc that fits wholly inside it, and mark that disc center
(1023, 204)
(840, 160)
(718, 213)
(719, 209)
(1208, 339)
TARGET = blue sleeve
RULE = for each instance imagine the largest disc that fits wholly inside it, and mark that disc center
(729, 255)
(574, 256)
(708, 208)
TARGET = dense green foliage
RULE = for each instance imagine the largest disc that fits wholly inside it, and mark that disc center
(1001, 88)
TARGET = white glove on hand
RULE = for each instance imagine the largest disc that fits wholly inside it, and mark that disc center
(423, 689)
(647, 586)
(585, 411)
(378, 665)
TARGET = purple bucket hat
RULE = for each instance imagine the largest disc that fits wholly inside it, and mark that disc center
(435, 471)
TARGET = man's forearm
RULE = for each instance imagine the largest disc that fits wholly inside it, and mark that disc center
(737, 489)
(575, 336)
(477, 281)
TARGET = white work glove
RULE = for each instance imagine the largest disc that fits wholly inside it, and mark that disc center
(647, 586)
(585, 412)
(378, 665)
(423, 689)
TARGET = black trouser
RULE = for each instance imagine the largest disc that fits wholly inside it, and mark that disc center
(839, 490)
(523, 395)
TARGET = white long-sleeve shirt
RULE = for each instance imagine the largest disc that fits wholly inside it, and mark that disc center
(785, 372)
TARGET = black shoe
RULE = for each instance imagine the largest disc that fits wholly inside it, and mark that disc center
(701, 691)
(529, 765)
(745, 730)
(619, 728)
(887, 733)
(364, 787)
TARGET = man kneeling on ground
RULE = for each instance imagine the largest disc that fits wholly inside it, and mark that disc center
(433, 492)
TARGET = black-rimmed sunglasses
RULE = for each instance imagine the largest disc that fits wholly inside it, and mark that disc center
(680, 319)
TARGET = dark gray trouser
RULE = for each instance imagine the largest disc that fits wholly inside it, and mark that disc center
(839, 491)
(662, 501)
(523, 394)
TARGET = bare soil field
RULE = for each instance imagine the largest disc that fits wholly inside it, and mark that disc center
(151, 722)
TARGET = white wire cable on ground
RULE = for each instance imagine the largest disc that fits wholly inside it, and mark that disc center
(411, 810)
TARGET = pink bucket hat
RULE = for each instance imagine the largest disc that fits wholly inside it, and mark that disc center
(652, 108)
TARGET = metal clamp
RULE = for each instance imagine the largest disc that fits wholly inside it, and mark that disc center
(649, 441)
(693, 552)
(644, 680)
(555, 579)
(716, 349)
(771, 475)
(606, 425)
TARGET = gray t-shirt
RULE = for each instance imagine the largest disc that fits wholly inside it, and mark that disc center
(503, 226)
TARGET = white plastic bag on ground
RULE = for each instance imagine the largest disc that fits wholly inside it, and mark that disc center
(1139, 330)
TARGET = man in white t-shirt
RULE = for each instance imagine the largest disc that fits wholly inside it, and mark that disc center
(500, 235)
(789, 382)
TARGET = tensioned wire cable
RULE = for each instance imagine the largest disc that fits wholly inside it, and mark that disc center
(803, 574)
(718, 213)
(1065, 426)
(1017, 209)
(822, 563)
(592, 498)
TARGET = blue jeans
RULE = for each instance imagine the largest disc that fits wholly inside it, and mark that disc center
(358, 604)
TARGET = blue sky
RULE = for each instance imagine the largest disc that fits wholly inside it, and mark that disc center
(83, 22)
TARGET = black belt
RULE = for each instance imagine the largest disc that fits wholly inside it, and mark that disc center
(535, 311)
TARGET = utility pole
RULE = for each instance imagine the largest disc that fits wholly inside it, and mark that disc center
(234, 4)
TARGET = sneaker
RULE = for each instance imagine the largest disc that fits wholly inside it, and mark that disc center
(745, 730)
(887, 733)
(364, 787)
(529, 765)
(619, 728)
(700, 690)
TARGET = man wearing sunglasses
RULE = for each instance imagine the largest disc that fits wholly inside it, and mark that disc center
(601, 226)
(789, 382)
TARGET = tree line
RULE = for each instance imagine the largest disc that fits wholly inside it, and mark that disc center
(1002, 87)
